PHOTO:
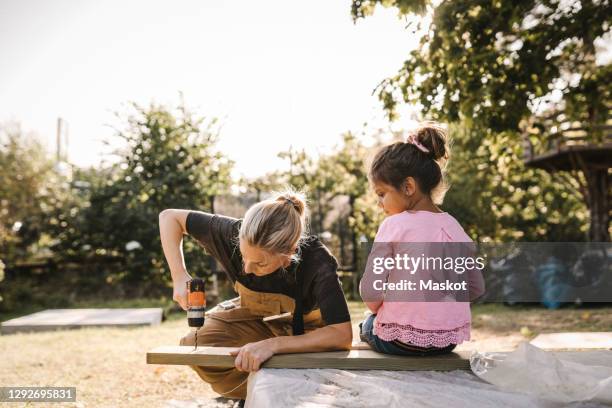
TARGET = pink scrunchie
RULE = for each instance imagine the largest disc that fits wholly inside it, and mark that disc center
(412, 139)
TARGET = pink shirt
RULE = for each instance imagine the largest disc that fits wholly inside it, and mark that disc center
(424, 324)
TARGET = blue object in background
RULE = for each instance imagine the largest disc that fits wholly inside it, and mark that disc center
(552, 277)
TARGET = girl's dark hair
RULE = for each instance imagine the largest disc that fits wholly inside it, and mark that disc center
(422, 156)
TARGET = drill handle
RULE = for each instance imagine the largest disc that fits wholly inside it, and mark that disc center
(196, 296)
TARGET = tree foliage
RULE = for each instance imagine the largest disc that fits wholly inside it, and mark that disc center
(104, 221)
(496, 198)
(494, 63)
(169, 161)
(363, 8)
(32, 190)
(489, 68)
(30, 187)
(338, 189)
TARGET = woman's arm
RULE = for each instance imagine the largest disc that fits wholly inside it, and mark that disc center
(251, 356)
(171, 231)
(332, 337)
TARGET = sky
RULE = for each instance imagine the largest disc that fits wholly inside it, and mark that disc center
(278, 73)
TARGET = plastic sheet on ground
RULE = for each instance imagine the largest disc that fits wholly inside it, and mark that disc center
(529, 379)
(559, 377)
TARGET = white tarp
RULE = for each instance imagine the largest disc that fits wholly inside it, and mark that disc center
(559, 377)
(531, 379)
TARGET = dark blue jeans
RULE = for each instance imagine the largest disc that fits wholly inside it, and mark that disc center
(395, 347)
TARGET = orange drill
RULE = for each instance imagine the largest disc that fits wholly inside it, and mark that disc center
(196, 303)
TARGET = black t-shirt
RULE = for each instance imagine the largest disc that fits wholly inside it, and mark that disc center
(321, 286)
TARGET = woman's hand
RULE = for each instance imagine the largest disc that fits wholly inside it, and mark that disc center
(179, 294)
(251, 356)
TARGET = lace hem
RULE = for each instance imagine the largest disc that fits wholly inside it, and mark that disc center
(420, 337)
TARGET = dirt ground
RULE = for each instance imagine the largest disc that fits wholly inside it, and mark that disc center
(107, 366)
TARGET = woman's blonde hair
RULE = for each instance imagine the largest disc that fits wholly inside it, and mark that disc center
(276, 225)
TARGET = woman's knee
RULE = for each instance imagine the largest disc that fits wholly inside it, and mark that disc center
(229, 382)
(232, 389)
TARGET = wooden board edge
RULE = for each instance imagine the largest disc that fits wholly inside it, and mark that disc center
(448, 362)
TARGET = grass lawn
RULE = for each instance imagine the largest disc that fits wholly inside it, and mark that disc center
(107, 366)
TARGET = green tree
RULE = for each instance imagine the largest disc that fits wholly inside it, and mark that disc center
(495, 62)
(340, 174)
(169, 161)
(305, 174)
(344, 174)
(30, 187)
(497, 199)
(263, 184)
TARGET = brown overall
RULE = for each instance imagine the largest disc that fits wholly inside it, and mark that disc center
(241, 325)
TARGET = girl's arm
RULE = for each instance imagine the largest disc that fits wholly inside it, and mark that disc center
(251, 356)
(381, 248)
(171, 231)
(372, 297)
(373, 306)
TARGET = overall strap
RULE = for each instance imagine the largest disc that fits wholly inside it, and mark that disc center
(298, 312)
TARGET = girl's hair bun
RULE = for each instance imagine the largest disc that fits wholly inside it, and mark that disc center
(423, 156)
(434, 138)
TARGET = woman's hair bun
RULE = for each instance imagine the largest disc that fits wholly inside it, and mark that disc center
(295, 198)
(433, 137)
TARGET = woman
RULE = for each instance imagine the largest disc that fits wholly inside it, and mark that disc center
(275, 268)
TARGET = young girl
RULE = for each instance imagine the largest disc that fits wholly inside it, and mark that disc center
(408, 180)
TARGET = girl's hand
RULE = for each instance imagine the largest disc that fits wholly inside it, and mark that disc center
(251, 356)
(179, 294)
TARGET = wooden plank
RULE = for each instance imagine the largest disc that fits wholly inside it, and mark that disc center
(345, 360)
(360, 345)
(62, 319)
(574, 341)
